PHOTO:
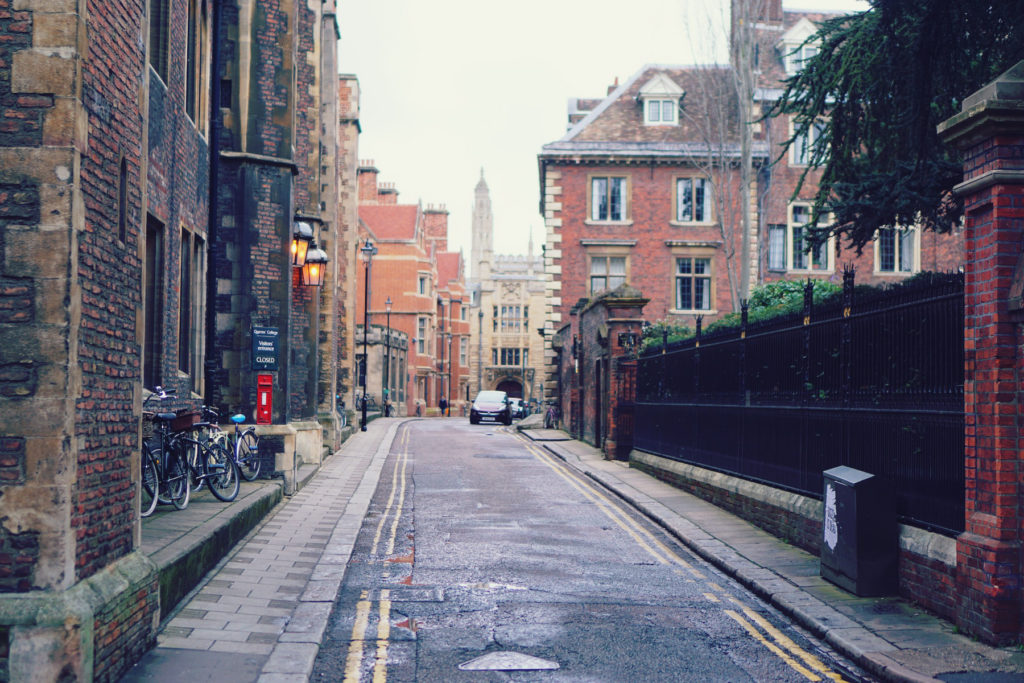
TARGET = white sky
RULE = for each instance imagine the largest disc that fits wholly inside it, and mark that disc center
(450, 86)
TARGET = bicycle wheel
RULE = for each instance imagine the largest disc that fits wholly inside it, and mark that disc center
(247, 454)
(221, 472)
(179, 489)
(149, 492)
(196, 464)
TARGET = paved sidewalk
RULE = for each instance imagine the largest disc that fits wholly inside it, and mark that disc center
(890, 637)
(260, 615)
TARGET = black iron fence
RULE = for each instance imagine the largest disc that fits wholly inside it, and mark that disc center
(869, 380)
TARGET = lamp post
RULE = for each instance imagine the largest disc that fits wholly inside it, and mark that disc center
(367, 251)
(480, 350)
(386, 381)
(448, 335)
(440, 338)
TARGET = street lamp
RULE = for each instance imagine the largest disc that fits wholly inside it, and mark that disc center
(440, 305)
(386, 382)
(367, 251)
(480, 350)
(313, 270)
(302, 235)
(448, 335)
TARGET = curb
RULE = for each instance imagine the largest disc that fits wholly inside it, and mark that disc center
(762, 581)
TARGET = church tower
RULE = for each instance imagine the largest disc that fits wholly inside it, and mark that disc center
(483, 231)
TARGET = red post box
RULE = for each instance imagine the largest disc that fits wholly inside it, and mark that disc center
(264, 398)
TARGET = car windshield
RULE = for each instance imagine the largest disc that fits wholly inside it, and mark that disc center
(491, 396)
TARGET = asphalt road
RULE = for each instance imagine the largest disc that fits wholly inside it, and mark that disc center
(484, 558)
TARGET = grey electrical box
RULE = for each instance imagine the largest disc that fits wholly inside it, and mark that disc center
(859, 534)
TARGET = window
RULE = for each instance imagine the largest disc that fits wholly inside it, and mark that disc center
(422, 287)
(606, 272)
(693, 200)
(462, 312)
(803, 256)
(190, 308)
(195, 64)
(510, 356)
(802, 150)
(796, 56)
(660, 111)
(510, 320)
(421, 335)
(896, 250)
(777, 246)
(463, 345)
(608, 199)
(693, 284)
(154, 314)
(159, 34)
(494, 356)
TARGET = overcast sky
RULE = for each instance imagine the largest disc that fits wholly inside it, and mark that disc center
(453, 86)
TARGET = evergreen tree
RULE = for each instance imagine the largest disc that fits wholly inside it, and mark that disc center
(882, 81)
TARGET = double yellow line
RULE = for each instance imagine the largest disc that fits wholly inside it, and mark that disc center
(393, 510)
(770, 637)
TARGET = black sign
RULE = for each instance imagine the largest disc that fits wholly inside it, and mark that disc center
(264, 348)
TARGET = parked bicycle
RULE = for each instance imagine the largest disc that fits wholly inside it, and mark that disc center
(165, 472)
(210, 463)
(552, 416)
(244, 445)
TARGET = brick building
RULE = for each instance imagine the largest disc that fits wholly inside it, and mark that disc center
(425, 284)
(647, 188)
(156, 161)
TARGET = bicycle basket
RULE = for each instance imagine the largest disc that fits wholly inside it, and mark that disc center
(184, 420)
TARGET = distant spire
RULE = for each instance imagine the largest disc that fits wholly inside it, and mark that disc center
(482, 185)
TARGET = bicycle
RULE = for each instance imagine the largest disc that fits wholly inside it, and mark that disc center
(209, 461)
(165, 475)
(552, 416)
(244, 445)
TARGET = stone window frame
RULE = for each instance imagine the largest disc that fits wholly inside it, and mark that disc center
(681, 249)
(828, 245)
(913, 233)
(627, 186)
(709, 204)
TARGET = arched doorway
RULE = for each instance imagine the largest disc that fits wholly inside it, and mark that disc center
(511, 387)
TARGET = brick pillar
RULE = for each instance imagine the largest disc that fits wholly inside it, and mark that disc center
(989, 132)
(625, 321)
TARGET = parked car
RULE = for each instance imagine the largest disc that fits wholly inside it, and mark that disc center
(518, 408)
(491, 405)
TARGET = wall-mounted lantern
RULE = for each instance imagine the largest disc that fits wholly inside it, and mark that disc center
(302, 236)
(315, 267)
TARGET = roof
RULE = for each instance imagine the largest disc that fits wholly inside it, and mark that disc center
(390, 221)
(616, 124)
(449, 267)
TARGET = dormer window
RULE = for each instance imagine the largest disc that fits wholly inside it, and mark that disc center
(661, 111)
(796, 47)
(660, 98)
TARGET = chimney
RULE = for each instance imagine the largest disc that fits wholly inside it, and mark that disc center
(614, 86)
(367, 174)
(387, 194)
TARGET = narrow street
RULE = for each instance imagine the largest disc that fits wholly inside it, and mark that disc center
(482, 557)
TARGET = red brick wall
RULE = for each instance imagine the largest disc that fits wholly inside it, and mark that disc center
(108, 352)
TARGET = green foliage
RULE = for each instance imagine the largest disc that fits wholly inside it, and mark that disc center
(770, 300)
(653, 334)
(883, 80)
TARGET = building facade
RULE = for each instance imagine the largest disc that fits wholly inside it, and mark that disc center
(507, 349)
(157, 162)
(659, 186)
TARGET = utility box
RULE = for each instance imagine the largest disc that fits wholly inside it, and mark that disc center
(859, 547)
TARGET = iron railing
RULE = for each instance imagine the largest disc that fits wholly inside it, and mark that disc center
(874, 382)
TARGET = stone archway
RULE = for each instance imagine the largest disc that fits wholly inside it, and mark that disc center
(514, 388)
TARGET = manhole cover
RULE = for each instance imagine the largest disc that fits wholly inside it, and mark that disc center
(507, 661)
